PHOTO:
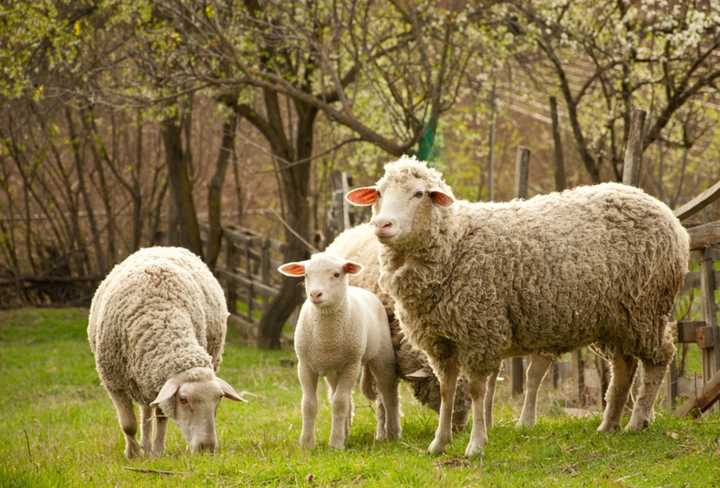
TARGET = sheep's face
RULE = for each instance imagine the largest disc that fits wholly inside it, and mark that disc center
(325, 278)
(402, 208)
(193, 405)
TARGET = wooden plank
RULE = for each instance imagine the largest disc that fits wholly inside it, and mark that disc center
(672, 385)
(560, 180)
(686, 331)
(246, 281)
(710, 355)
(633, 152)
(697, 406)
(705, 235)
(231, 259)
(698, 203)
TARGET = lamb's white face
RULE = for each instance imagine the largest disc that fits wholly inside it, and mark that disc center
(325, 277)
(193, 406)
(400, 209)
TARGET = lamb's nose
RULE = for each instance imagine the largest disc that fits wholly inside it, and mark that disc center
(382, 223)
(315, 295)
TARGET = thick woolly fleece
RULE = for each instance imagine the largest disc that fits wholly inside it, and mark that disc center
(491, 280)
(158, 313)
(360, 245)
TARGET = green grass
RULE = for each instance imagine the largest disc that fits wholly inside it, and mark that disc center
(58, 428)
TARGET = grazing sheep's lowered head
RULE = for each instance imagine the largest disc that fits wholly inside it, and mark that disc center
(326, 278)
(408, 202)
(191, 399)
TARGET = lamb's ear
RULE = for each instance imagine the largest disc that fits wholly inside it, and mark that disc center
(229, 392)
(363, 196)
(294, 270)
(441, 198)
(166, 392)
(351, 267)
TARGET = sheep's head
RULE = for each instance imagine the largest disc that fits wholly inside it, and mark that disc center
(325, 277)
(191, 399)
(406, 202)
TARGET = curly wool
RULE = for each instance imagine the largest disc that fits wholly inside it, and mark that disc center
(158, 313)
(491, 280)
(359, 244)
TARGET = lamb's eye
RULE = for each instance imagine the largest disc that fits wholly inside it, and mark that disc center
(183, 400)
(419, 194)
(378, 193)
(336, 274)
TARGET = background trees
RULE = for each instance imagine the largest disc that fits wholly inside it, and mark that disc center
(126, 124)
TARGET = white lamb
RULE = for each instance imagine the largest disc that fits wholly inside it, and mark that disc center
(342, 331)
(157, 329)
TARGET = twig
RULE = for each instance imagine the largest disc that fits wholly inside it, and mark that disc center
(27, 445)
(297, 236)
(155, 471)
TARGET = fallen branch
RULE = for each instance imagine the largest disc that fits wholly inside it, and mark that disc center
(155, 471)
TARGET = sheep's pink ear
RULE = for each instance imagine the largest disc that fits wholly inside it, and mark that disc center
(351, 267)
(229, 392)
(363, 196)
(169, 389)
(293, 270)
(441, 198)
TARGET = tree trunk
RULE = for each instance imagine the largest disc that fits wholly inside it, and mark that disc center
(181, 186)
(295, 181)
(227, 147)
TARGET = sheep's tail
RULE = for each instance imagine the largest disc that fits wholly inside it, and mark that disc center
(368, 384)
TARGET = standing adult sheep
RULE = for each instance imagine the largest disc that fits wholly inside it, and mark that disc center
(477, 282)
(157, 329)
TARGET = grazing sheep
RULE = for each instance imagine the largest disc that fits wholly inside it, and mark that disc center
(342, 331)
(360, 245)
(474, 283)
(157, 329)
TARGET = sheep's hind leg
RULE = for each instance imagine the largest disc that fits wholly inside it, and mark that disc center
(490, 396)
(478, 435)
(447, 376)
(126, 416)
(623, 371)
(146, 428)
(536, 372)
(643, 410)
(387, 384)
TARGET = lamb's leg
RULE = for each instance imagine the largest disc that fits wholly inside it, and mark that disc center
(161, 422)
(308, 382)
(387, 383)
(478, 435)
(342, 405)
(643, 410)
(447, 376)
(490, 396)
(331, 379)
(380, 420)
(146, 428)
(126, 416)
(536, 372)
(623, 371)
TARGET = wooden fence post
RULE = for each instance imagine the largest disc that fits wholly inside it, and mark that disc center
(634, 149)
(249, 275)
(522, 169)
(710, 351)
(230, 285)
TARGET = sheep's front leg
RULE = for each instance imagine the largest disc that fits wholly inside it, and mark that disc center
(308, 382)
(490, 396)
(128, 422)
(146, 428)
(161, 421)
(478, 435)
(341, 405)
(536, 372)
(447, 375)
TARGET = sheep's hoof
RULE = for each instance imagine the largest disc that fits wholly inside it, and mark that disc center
(474, 449)
(381, 436)
(339, 445)
(608, 427)
(636, 425)
(437, 446)
(133, 450)
(524, 423)
(307, 442)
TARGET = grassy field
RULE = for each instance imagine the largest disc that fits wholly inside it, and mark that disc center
(58, 428)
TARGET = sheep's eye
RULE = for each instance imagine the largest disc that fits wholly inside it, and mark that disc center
(378, 193)
(419, 194)
(336, 274)
(183, 400)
